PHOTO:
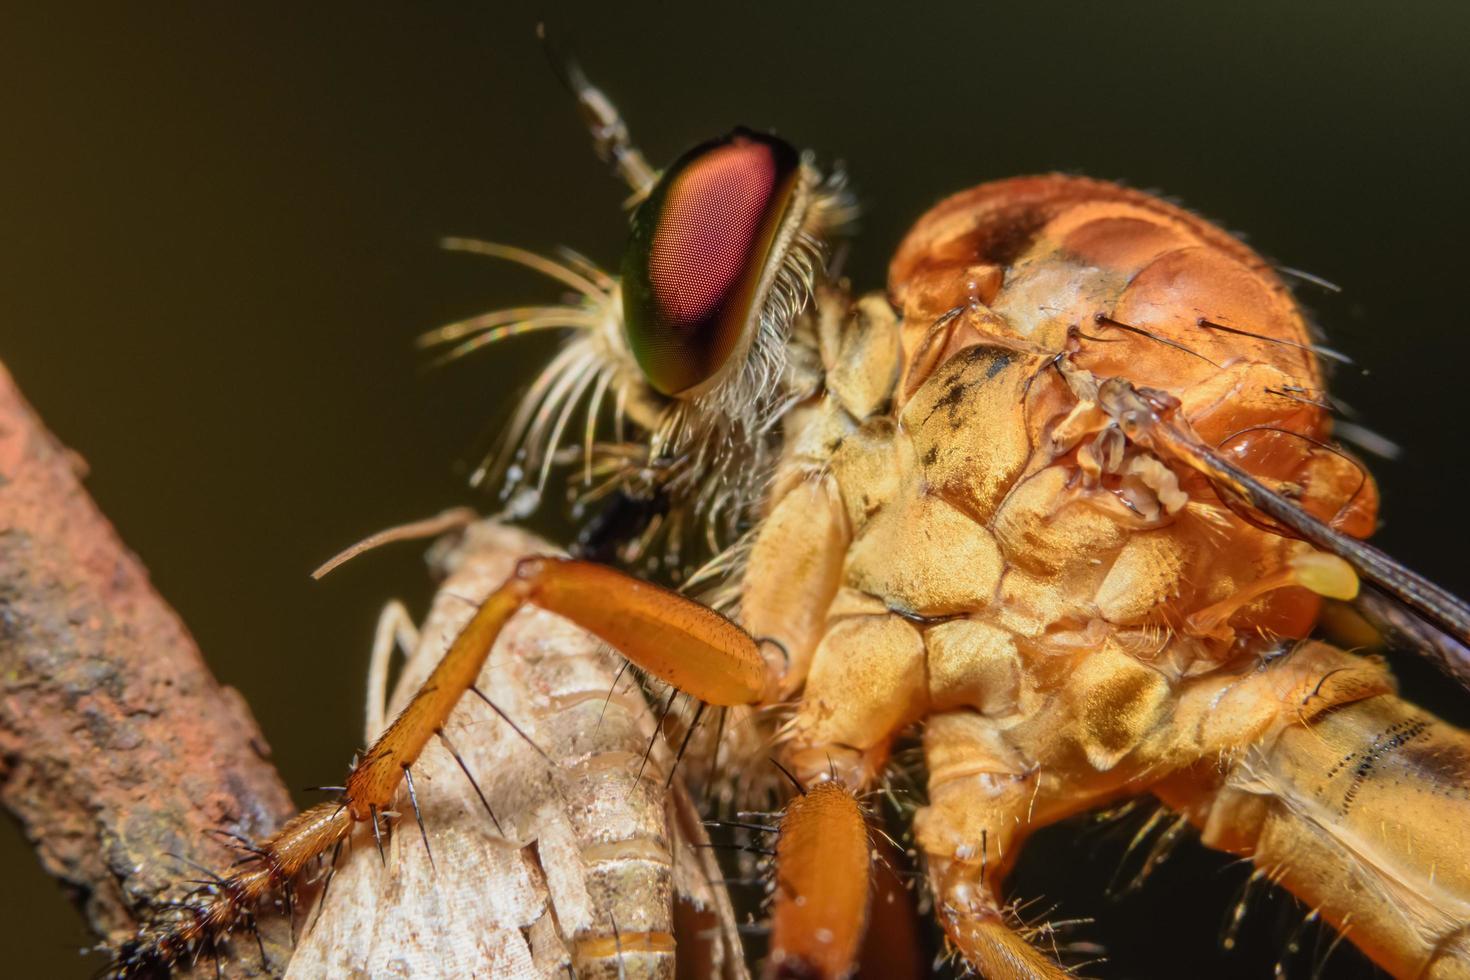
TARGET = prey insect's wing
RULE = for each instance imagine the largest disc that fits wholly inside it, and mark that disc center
(1149, 418)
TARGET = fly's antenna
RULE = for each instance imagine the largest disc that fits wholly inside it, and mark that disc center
(610, 138)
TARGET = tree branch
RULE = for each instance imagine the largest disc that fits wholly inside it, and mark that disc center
(116, 744)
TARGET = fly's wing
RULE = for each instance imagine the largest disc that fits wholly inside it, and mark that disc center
(591, 865)
(1149, 417)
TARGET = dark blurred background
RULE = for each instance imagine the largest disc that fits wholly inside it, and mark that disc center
(219, 241)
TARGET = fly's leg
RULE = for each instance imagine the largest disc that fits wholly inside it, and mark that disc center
(678, 640)
(1362, 810)
(395, 631)
(982, 931)
(823, 881)
(866, 682)
(982, 802)
(197, 926)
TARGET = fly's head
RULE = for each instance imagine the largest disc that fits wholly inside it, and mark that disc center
(687, 350)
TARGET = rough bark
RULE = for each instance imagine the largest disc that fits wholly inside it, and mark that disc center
(117, 746)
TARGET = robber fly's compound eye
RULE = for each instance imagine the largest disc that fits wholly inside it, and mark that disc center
(701, 244)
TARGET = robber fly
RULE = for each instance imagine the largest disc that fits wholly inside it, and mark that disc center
(1062, 498)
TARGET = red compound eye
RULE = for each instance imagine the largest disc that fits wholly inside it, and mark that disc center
(700, 244)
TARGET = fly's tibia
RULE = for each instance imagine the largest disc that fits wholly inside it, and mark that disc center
(823, 875)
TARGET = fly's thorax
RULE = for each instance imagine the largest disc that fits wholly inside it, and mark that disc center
(1130, 286)
(977, 498)
(946, 560)
(986, 536)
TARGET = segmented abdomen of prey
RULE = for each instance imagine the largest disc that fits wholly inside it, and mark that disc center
(998, 541)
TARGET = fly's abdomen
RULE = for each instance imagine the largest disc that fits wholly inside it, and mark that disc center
(1362, 812)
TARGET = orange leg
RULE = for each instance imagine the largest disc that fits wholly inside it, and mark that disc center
(978, 927)
(676, 639)
(982, 804)
(823, 871)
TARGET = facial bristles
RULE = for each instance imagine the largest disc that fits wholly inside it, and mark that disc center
(559, 271)
(583, 371)
(479, 331)
(501, 323)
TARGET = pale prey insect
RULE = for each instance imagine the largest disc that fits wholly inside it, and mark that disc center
(1063, 500)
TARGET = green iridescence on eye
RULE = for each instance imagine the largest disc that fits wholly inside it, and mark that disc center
(699, 247)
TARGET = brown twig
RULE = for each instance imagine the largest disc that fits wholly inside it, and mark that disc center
(117, 746)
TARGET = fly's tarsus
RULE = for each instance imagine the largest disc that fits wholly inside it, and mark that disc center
(201, 925)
